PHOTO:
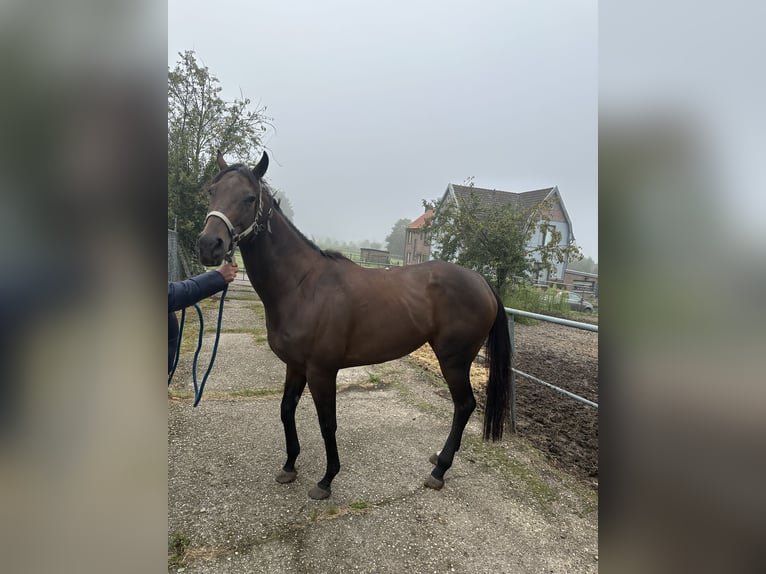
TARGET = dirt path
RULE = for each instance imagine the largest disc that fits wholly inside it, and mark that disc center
(504, 507)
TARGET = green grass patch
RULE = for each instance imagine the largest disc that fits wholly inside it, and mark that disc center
(534, 300)
(255, 392)
(417, 402)
(227, 394)
(178, 546)
(190, 335)
(258, 309)
(360, 505)
(209, 303)
(494, 457)
(181, 395)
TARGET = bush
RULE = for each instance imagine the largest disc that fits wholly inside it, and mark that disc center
(535, 300)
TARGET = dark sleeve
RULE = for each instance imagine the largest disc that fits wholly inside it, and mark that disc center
(181, 294)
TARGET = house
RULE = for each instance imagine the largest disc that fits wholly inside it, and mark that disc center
(581, 281)
(416, 246)
(527, 200)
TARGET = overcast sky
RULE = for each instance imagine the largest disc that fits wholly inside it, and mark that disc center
(378, 106)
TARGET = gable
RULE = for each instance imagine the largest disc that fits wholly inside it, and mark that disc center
(496, 198)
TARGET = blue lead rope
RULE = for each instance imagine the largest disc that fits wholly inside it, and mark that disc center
(198, 389)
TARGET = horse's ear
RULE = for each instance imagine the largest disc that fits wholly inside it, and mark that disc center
(260, 170)
(220, 162)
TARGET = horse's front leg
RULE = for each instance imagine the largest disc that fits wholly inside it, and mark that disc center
(322, 387)
(295, 382)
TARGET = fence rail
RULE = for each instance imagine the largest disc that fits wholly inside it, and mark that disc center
(567, 323)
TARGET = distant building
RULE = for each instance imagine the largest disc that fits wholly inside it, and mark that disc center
(380, 256)
(581, 281)
(417, 247)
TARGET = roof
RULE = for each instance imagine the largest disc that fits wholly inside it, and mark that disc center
(421, 221)
(498, 198)
(583, 273)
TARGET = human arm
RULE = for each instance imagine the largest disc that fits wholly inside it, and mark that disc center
(182, 294)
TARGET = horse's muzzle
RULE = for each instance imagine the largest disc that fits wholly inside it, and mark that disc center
(211, 250)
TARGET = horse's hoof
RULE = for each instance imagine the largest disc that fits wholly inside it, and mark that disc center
(434, 483)
(318, 493)
(434, 459)
(286, 476)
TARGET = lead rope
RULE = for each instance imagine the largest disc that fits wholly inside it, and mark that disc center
(198, 389)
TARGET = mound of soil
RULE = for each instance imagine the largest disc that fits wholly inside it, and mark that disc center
(563, 429)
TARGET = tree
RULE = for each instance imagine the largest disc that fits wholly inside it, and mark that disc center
(494, 241)
(587, 264)
(367, 244)
(395, 240)
(199, 123)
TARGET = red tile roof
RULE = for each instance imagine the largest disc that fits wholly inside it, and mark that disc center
(421, 221)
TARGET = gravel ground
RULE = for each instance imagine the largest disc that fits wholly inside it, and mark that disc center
(504, 507)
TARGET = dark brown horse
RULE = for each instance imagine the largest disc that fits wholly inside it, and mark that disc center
(325, 313)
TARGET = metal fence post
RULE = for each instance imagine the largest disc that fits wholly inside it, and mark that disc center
(510, 321)
(557, 320)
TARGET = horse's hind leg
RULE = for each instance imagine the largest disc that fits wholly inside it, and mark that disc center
(295, 382)
(322, 387)
(457, 375)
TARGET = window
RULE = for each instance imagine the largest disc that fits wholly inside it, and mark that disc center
(545, 235)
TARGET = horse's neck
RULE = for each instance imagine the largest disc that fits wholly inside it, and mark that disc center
(277, 260)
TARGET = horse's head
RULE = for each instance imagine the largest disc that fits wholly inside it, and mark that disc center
(235, 210)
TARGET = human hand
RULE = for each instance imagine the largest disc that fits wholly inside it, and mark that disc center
(229, 271)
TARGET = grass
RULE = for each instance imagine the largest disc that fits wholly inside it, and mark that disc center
(235, 393)
(178, 547)
(255, 392)
(494, 457)
(534, 300)
(332, 511)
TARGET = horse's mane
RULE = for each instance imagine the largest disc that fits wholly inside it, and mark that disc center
(248, 173)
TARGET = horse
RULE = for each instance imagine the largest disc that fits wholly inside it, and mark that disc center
(324, 313)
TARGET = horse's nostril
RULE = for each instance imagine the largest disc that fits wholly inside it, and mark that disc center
(209, 244)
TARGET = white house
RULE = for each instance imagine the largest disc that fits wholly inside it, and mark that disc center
(527, 200)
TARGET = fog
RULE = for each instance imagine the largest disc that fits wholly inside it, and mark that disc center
(379, 106)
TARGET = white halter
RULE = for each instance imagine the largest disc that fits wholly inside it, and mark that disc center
(254, 227)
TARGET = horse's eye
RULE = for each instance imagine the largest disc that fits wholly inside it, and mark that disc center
(249, 199)
(210, 192)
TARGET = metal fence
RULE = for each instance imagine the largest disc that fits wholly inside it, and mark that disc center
(174, 257)
(179, 265)
(567, 323)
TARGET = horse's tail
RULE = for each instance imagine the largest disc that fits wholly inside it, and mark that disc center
(499, 385)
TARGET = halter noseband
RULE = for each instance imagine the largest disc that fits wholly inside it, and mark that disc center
(255, 227)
